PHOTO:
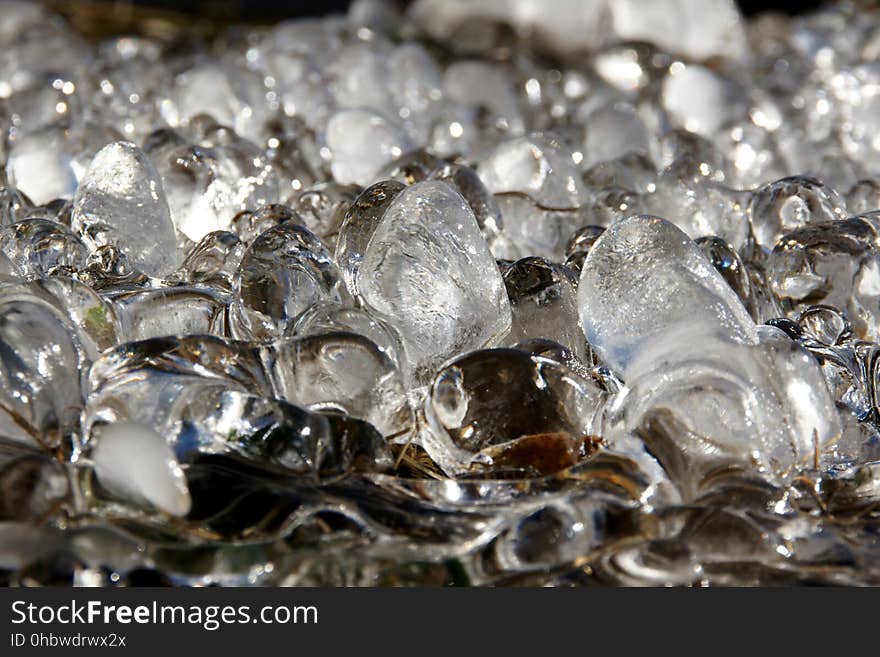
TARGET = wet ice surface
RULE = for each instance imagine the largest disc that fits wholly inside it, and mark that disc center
(480, 293)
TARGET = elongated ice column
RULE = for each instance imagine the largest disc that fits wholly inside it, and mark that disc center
(136, 463)
(657, 312)
(427, 265)
(120, 202)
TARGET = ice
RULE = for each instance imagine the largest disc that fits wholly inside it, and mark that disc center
(33, 484)
(534, 230)
(137, 464)
(249, 225)
(614, 131)
(121, 203)
(207, 183)
(91, 319)
(127, 85)
(538, 166)
(491, 398)
(285, 270)
(35, 49)
(8, 270)
(385, 297)
(13, 205)
(48, 163)
(476, 84)
(836, 263)
(149, 383)
(171, 311)
(579, 245)
(697, 99)
(330, 317)
(561, 25)
(415, 84)
(40, 247)
(40, 370)
(427, 265)
(230, 95)
(697, 29)
(358, 226)
(214, 260)
(361, 142)
(343, 372)
(543, 300)
(226, 421)
(693, 356)
(784, 205)
(700, 207)
(863, 196)
(645, 281)
(730, 265)
(322, 208)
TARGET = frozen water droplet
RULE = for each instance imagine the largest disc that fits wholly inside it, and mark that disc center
(358, 226)
(222, 420)
(477, 84)
(835, 263)
(700, 207)
(698, 100)
(700, 30)
(39, 370)
(643, 282)
(40, 247)
(231, 95)
(343, 372)
(689, 350)
(543, 300)
(330, 317)
(728, 263)
(13, 205)
(151, 381)
(361, 143)
(614, 131)
(863, 197)
(570, 25)
(495, 396)
(214, 260)
(8, 271)
(323, 207)
(534, 230)
(137, 464)
(249, 225)
(790, 203)
(537, 165)
(427, 266)
(579, 245)
(92, 319)
(48, 163)
(208, 183)
(178, 310)
(285, 270)
(121, 202)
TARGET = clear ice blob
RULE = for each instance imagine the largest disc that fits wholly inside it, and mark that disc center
(536, 165)
(427, 266)
(785, 205)
(121, 203)
(284, 272)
